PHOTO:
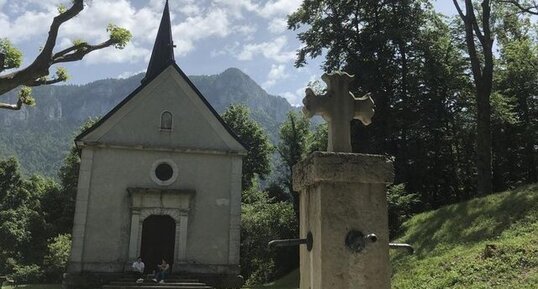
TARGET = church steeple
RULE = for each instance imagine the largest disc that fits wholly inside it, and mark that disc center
(163, 49)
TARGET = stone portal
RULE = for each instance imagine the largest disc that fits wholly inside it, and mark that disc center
(158, 240)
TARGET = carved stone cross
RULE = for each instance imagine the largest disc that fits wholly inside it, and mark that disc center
(338, 107)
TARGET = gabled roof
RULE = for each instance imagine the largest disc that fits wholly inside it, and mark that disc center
(138, 89)
(161, 58)
(163, 49)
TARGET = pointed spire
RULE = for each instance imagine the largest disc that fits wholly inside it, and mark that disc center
(163, 49)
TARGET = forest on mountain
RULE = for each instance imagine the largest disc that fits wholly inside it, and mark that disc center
(41, 136)
(456, 108)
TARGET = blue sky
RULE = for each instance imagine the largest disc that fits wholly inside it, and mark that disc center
(210, 36)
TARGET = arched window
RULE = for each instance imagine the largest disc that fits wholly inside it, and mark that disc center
(166, 121)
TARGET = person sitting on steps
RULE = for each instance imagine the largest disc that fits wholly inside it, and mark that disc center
(138, 269)
(162, 271)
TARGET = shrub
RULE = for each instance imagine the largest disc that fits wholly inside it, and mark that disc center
(264, 220)
(27, 274)
(56, 259)
(402, 205)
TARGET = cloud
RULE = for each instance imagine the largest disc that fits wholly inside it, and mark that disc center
(130, 54)
(295, 98)
(272, 50)
(25, 26)
(191, 9)
(278, 25)
(245, 29)
(279, 8)
(236, 7)
(128, 74)
(214, 23)
(277, 72)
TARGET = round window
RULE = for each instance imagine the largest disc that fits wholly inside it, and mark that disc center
(164, 172)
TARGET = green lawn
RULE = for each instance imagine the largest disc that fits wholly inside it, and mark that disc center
(450, 246)
(290, 281)
(451, 243)
(34, 286)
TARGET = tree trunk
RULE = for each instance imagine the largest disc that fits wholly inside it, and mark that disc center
(483, 81)
(483, 142)
(531, 174)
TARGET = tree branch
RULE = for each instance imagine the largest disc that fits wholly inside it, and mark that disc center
(44, 81)
(469, 39)
(40, 66)
(531, 9)
(78, 52)
(458, 8)
(36, 73)
(46, 53)
(474, 23)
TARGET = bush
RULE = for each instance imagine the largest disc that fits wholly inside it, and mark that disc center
(27, 274)
(264, 220)
(402, 205)
(56, 259)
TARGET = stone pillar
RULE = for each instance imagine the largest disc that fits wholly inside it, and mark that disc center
(134, 246)
(341, 192)
(182, 237)
(76, 258)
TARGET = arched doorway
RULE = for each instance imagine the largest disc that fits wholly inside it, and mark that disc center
(158, 239)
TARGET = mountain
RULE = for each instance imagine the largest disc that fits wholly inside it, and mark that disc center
(40, 136)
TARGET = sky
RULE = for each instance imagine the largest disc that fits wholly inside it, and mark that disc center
(210, 36)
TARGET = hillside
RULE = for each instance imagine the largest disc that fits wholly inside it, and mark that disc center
(489, 242)
(450, 245)
(40, 136)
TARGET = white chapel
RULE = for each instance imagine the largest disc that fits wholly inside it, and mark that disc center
(160, 177)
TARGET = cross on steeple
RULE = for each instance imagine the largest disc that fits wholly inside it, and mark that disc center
(163, 49)
(338, 107)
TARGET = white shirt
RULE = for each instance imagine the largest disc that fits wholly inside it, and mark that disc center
(138, 266)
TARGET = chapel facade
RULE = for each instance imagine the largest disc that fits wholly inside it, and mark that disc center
(160, 177)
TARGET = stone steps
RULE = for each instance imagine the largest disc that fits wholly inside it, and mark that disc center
(171, 283)
(167, 280)
(154, 286)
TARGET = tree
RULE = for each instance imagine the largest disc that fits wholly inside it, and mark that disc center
(294, 135)
(525, 6)
(482, 70)
(59, 205)
(515, 107)
(263, 220)
(23, 230)
(255, 140)
(37, 73)
(411, 62)
(319, 139)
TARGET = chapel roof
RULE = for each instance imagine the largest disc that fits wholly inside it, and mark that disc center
(162, 57)
(163, 49)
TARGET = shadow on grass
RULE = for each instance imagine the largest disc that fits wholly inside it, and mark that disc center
(290, 281)
(471, 221)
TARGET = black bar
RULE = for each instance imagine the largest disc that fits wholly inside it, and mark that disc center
(408, 247)
(286, 243)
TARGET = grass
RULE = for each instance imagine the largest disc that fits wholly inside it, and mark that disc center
(34, 286)
(489, 242)
(450, 247)
(290, 281)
